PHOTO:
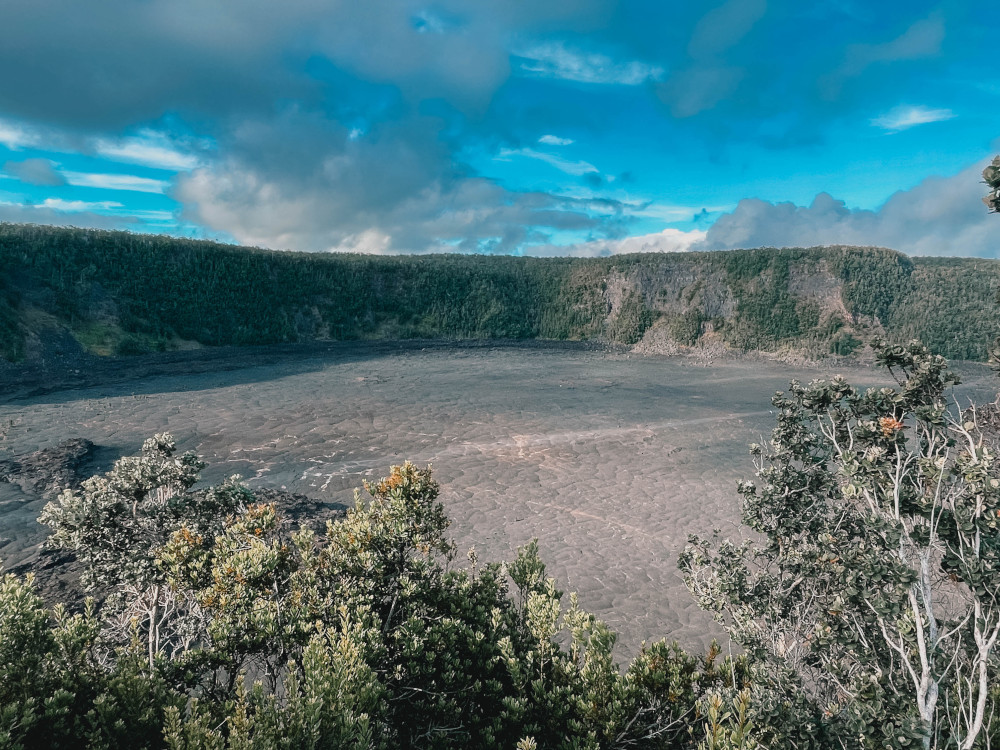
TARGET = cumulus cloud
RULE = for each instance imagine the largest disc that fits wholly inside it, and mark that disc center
(668, 241)
(469, 215)
(333, 126)
(940, 216)
(35, 172)
(903, 118)
(394, 190)
(355, 126)
(132, 60)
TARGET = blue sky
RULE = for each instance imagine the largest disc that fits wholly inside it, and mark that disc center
(581, 127)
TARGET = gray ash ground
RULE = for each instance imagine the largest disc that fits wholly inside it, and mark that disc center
(610, 460)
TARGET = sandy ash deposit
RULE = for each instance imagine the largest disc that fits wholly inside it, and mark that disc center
(610, 460)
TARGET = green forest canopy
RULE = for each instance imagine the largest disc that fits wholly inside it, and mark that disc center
(127, 293)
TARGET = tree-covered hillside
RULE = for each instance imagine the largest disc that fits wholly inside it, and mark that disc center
(121, 293)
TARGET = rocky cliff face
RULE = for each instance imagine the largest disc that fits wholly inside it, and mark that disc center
(663, 305)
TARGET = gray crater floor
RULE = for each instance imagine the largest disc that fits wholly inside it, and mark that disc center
(609, 460)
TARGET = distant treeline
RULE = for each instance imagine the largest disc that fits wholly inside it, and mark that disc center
(123, 293)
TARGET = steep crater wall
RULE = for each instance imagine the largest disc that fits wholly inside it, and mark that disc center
(118, 293)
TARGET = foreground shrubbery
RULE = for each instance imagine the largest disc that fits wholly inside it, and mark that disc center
(866, 604)
(234, 633)
(873, 573)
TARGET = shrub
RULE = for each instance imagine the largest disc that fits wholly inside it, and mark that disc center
(223, 629)
(871, 582)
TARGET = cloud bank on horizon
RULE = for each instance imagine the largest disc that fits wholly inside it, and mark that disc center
(585, 127)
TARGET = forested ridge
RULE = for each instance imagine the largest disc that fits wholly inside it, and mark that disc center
(123, 293)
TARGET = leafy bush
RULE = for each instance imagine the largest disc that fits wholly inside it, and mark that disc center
(226, 629)
(991, 176)
(872, 582)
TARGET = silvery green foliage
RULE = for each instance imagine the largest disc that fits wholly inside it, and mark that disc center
(873, 563)
(991, 176)
(115, 516)
(54, 692)
(116, 524)
(729, 727)
(231, 633)
(331, 699)
(26, 640)
(417, 653)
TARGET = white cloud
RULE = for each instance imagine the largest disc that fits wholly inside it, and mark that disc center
(371, 241)
(116, 182)
(554, 140)
(575, 168)
(149, 148)
(904, 117)
(667, 241)
(58, 204)
(555, 60)
(468, 215)
(16, 137)
(940, 216)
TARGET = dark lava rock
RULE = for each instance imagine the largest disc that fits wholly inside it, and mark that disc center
(48, 472)
(301, 511)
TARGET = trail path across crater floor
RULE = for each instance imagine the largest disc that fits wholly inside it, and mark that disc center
(609, 460)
